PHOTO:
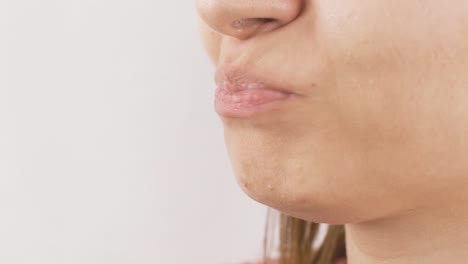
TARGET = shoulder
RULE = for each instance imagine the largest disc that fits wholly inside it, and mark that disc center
(339, 261)
(261, 262)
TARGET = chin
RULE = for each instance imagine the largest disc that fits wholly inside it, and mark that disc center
(305, 175)
(298, 193)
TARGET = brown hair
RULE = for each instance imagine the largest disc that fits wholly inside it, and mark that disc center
(296, 239)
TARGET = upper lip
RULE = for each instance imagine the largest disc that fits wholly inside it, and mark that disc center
(238, 78)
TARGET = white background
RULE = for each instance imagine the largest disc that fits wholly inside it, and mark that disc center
(110, 150)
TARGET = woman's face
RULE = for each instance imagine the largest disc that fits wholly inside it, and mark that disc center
(380, 121)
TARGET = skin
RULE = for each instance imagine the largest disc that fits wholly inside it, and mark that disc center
(377, 138)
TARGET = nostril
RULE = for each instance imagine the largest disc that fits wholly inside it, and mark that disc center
(244, 19)
(248, 26)
(247, 22)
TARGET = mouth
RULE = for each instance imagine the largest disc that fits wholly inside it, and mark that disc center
(242, 93)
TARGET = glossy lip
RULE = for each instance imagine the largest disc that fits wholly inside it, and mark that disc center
(243, 94)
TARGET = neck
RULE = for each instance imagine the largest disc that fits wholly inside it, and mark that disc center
(430, 236)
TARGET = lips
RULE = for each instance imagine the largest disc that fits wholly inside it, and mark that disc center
(242, 94)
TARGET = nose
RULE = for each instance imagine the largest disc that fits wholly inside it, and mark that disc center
(243, 19)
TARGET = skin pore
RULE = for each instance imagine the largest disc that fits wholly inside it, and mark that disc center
(377, 135)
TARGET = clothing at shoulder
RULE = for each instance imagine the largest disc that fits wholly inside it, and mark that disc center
(339, 261)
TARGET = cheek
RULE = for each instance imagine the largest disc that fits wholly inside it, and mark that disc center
(394, 61)
(400, 90)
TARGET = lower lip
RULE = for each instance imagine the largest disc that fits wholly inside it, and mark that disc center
(248, 102)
